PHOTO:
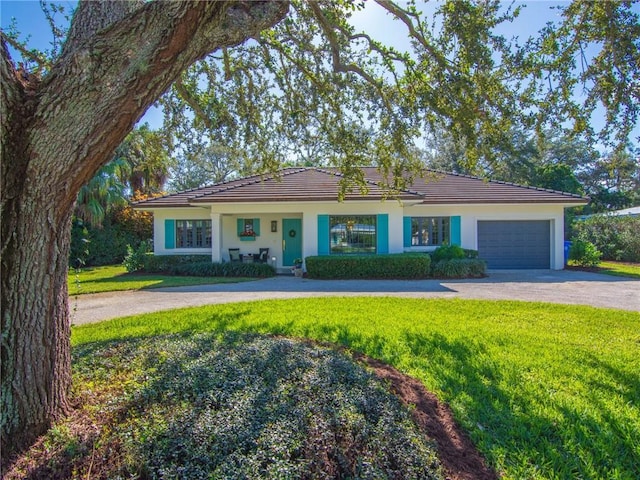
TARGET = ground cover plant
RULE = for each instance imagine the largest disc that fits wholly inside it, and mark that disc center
(115, 278)
(545, 391)
(229, 405)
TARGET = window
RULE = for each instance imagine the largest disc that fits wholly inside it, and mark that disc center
(352, 234)
(247, 229)
(193, 233)
(429, 231)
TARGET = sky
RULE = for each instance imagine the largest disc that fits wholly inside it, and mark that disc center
(31, 21)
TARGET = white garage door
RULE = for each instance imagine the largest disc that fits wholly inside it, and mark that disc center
(515, 243)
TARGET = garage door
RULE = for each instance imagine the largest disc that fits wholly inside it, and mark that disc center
(515, 244)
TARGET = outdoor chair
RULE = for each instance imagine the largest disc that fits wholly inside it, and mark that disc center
(234, 255)
(263, 256)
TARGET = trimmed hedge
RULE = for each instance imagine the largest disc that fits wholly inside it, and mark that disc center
(401, 265)
(460, 268)
(452, 252)
(201, 266)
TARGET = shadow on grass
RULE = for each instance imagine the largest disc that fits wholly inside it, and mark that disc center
(502, 420)
(236, 405)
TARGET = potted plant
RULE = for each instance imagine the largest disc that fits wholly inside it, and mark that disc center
(297, 267)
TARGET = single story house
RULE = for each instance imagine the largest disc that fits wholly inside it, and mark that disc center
(295, 213)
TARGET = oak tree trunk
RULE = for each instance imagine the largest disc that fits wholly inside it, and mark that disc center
(56, 133)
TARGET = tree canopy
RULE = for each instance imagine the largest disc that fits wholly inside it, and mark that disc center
(272, 82)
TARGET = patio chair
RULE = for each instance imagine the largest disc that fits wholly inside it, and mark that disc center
(234, 255)
(263, 256)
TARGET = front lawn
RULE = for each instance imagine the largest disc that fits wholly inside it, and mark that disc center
(115, 278)
(617, 269)
(545, 391)
(620, 269)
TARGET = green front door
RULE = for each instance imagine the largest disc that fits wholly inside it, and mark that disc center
(291, 240)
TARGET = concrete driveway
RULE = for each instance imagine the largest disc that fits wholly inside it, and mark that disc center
(570, 287)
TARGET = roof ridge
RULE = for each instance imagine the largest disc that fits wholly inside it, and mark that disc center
(502, 182)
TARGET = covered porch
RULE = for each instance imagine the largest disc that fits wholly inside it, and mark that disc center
(273, 238)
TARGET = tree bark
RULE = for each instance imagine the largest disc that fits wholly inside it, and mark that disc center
(56, 133)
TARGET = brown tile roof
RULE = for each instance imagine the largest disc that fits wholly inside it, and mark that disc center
(323, 184)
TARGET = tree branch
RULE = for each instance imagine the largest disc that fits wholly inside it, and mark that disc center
(193, 103)
(404, 17)
(338, 66)
(42, 63)
(110, 72)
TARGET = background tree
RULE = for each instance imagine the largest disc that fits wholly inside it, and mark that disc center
(311, 76)
(612, 180)
(146, 152)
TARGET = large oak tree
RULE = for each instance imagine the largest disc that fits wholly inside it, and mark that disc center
(311, 79)
(57, 131)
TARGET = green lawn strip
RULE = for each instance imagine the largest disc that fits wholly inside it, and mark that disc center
(620, 269)
(545, 391)
(115, 278)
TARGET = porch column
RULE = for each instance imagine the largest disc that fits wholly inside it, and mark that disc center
(216, 238)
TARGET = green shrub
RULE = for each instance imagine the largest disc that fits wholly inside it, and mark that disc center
(584, 253)
(135, 257)
(468, 253)
(106, 245)
(617, 237)
(79, 248)
(164, 263)
(402, 265)
(448, 252)
(460, 268)
(201, 266)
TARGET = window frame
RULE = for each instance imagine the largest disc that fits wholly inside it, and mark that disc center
(347, 240)
(193, 234)
(441, 225)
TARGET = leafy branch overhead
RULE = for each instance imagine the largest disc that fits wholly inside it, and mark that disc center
(315, 90)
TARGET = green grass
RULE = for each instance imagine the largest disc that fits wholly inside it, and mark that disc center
(115, 278)
(545, 391)
(620, 269)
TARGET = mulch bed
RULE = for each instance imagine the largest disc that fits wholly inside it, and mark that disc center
(457, 453)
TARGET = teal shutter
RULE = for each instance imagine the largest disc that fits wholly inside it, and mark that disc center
(169, 234)
(323, 234)
(456, 230)
(240, 226)
(256, 226)
(406, 231)
(382, 233)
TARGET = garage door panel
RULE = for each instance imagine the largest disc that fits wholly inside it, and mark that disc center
(515, 244)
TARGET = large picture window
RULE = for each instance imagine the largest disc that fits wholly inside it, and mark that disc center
(352, 234)
(429, 231)
(193, 233)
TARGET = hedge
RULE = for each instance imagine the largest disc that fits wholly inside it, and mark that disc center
(401, 265)
(460, 268)
(201, 266)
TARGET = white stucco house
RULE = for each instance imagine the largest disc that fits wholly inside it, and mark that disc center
(295, 213)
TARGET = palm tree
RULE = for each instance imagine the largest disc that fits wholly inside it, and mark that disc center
(103, 192)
